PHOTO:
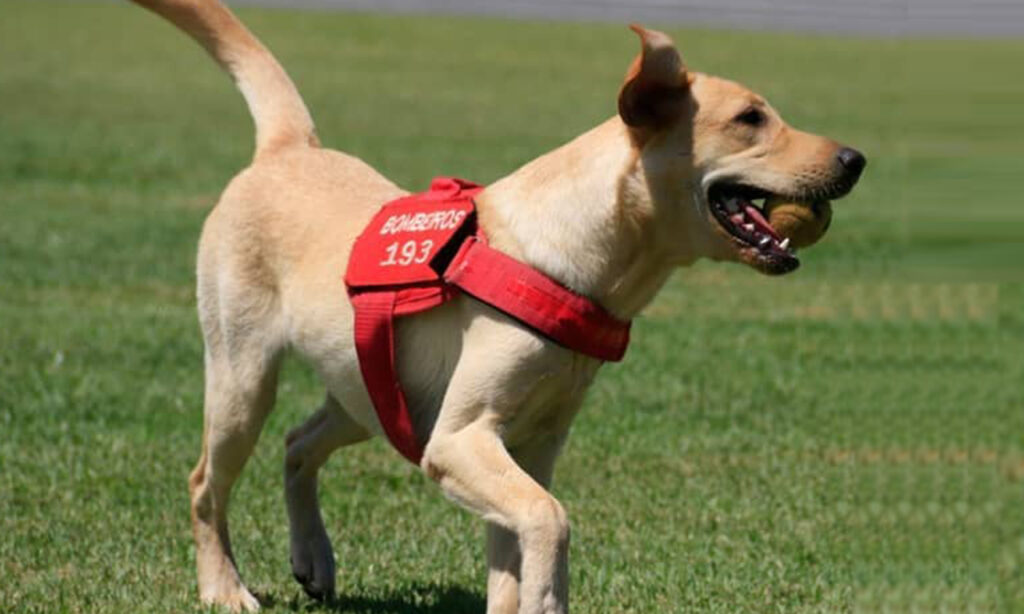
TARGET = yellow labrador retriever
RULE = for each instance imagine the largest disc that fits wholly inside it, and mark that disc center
(669, 180)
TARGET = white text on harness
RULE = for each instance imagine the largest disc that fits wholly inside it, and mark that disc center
(410, 252)
(423, 222)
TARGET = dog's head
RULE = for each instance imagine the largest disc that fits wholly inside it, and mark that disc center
(710, 150)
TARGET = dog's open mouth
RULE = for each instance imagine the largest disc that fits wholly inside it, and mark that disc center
(739, 210)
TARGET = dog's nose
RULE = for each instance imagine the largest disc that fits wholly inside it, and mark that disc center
(852, 160)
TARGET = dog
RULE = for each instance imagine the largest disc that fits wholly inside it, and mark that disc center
(665, 182)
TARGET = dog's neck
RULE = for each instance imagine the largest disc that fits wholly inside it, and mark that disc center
(582, 214)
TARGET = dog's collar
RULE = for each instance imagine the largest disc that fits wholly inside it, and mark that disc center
(421, 251)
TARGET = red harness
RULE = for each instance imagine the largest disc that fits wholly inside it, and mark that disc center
(421, 251)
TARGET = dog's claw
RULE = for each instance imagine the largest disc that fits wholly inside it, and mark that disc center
(311, 590)
(308, 584)
(317, 594)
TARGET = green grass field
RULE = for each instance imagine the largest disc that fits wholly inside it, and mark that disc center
(849, 438)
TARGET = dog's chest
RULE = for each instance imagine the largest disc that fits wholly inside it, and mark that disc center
(533, 387)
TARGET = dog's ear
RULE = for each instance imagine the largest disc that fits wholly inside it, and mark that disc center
(656, 86)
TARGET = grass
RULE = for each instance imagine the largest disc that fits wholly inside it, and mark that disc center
(850, 438)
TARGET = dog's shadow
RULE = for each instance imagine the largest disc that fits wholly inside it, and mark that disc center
(414, 599)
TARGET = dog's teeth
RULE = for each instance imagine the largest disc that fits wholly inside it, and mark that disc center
(764, 242)
(748, 227)
(784, 244)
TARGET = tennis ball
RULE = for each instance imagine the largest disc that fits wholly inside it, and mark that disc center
(802, 223)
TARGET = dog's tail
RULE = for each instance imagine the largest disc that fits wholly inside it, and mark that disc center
(281, 117)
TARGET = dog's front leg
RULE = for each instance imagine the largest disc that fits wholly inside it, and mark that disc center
(504, 559)
(473, 467)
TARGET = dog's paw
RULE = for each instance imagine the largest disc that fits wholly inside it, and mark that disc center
(314, 572)
(236, 600)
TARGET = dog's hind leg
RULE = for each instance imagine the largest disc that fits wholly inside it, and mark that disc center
(242, 364)
(308, 448)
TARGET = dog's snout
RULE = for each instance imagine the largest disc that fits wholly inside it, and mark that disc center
(852, 161)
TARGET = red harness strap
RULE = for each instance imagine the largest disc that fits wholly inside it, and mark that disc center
(417, 253)
(537, 301)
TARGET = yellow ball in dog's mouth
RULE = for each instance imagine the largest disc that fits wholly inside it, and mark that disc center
(803, 223)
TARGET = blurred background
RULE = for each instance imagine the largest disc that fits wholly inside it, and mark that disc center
(847, 438)
(873, 17)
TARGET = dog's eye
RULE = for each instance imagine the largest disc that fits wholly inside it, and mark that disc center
(751, 117)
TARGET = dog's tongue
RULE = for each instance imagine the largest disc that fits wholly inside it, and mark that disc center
(761, 223)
